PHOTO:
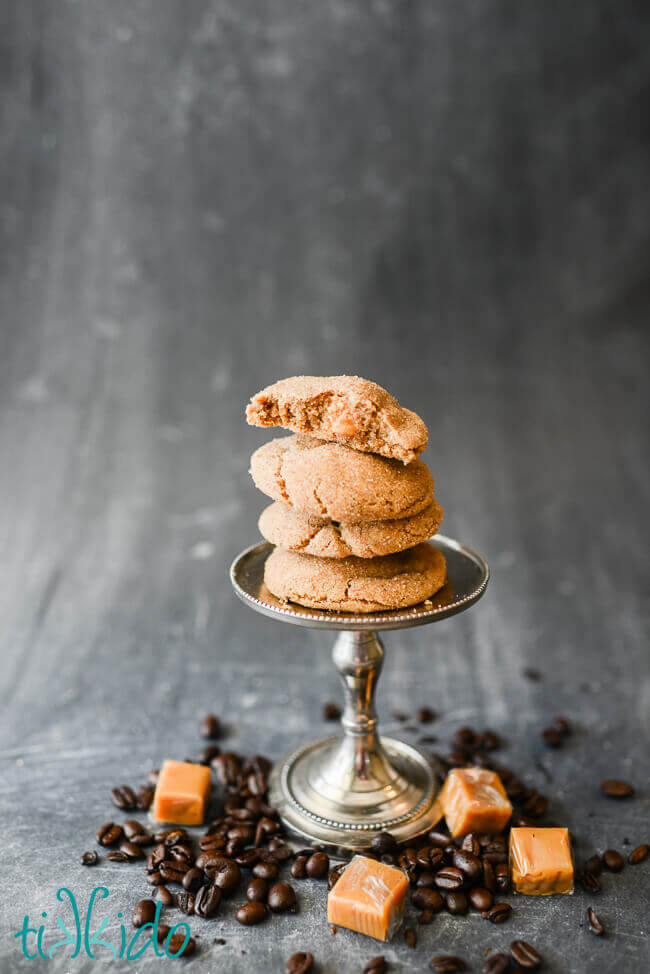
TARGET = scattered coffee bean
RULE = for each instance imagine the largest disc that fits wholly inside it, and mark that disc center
(594, 865)
(210, 727)
(334, 875)
(426, 715)
(639, 854)
(282, 898)
(481, 898)
(124, 797)
(298, 870)
(109, 833)
(207, 900)
(256, 891)
(132, 828)
(613, 860)
(172, 871)
(427, 899)
(89, 859)
(117, 856)
(227, 876)
(410, 937)
(378, 965)
(525, 955)
(469, 864)
(251, 913)
(299, 963)
(496, 964)
(165, 897)
(445, 964)
(318, 865)
(144, 912)
(449, 877)
(614, 788)
(193, 879)
(331, 711)
(594, 923)
(439, 839)
(163, 929)
(144, 797)
(178, 945)
(185, 902)
(384, 843)
(456, 903)
(154, 878)
(589, 881)
(502, 877)
(498, 913)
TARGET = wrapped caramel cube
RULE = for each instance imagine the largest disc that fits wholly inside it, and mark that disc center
(368, 898)
(474, 800)
(541, 861)
(181, 793)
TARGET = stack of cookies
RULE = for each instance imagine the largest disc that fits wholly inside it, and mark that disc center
(352, 505)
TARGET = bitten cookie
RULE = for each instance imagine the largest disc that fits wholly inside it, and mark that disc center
(292, 530)
(356, 584)
(342, 408)
(335, 482)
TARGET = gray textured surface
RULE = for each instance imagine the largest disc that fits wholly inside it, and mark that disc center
(198, 198)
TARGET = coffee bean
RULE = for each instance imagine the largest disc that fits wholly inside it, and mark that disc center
(124, 797)
(318, 865)
(471, 844)
(298, 870)
(144, 797)
(377, 965)
(429, 857)
(535, 805)
(256, 891)
(614, 788)
(299, 963)
(165, 897)
(228, 767)
(132, 828)
(193, 879)
(589, 881)
(144, 912)
(117, 856)
(594, 865)
(282, 898)
(177, 947)
(89, 859)
(456, 903)
(206, 900)
(562, 726)
(173, 871)
(266, 870)
(481, 898)
(449, 877)
(425, 715)
(613, 860)
(251, 913)
(446, 964)
(281, 851)
(496, 964)
(208, 754)
(109, 833)
(594, 923)
(331, 711)
(410, 937)
(154, 878)
(639, 854)
(427, 899)
(384, 843)
(489, 879)
(227, 876)
(469, 864)
(131, 851)
(502, 877)
(210, 727)
(439, 839)
(334, 875)
(498, 913)
(247, 858)
(185, 902)
(163, 929)
(525, 955)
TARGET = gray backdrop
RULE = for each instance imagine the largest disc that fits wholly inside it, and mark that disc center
(198, 198)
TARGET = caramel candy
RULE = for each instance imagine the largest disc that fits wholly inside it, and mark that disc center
(540, 861)
(474, 800)
(181, 793)
(368, 898)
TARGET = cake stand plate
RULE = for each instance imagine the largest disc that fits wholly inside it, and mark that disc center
(339, 792)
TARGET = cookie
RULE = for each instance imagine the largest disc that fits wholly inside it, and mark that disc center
(292, 530)
(340, 484)
(342, 408)
(356, 584)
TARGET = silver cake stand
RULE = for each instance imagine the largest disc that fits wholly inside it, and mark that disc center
(339, 792)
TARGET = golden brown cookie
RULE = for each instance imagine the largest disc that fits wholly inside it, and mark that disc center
(288, 528)
(356, 584)
(335, 482)
(344, 409)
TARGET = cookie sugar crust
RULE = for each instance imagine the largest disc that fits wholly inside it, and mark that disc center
(356, 584)
(335, 482)
(293, 530)
(344, 409)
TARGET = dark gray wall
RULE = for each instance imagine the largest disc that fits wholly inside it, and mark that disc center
(198, 198)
